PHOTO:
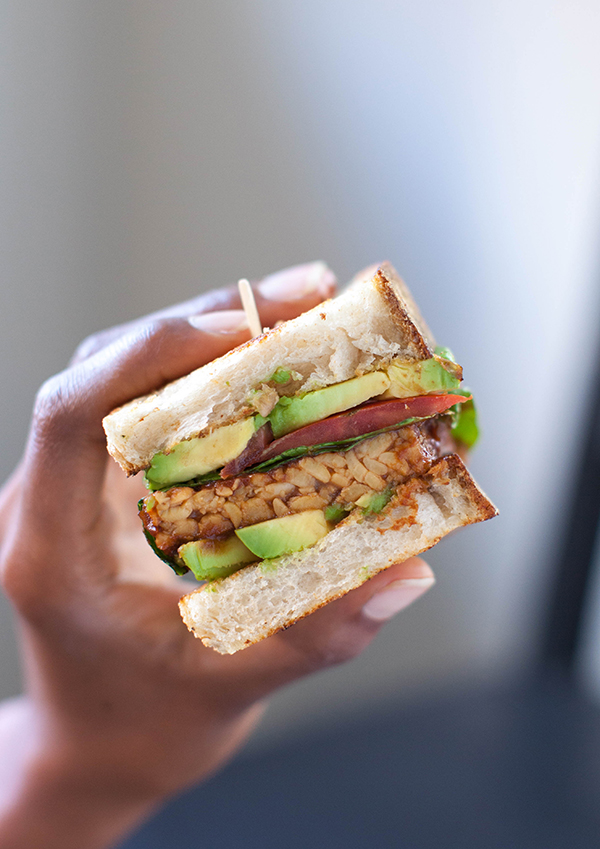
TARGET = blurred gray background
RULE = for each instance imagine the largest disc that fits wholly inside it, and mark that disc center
(150, 151)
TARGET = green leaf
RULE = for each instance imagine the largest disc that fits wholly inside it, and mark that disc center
(465, 428)
(176, 565)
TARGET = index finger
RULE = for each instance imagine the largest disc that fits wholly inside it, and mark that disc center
(67, 427)
(279, 296)
(66, 456)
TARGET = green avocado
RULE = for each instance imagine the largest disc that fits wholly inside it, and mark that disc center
(437, 374)
(210, 559)
(284, 535)
(280, 375)
(374, 502)
(293, 413)
(200, 455)
(444, 353)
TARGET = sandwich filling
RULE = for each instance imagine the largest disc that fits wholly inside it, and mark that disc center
(279, 479)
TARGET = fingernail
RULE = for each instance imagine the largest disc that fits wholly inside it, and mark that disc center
(395, 597)
(221, 321)
(297, 282)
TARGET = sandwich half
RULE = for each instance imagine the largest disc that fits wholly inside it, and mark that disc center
(300, 464)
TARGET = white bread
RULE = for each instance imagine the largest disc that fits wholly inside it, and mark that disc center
(373, 321)
(235, 612)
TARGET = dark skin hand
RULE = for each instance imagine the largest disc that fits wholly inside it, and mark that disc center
(124, 707)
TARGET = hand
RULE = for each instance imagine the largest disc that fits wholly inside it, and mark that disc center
(124, 706)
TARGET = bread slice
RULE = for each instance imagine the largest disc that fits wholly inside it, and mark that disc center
(373, 321)
(235, 612)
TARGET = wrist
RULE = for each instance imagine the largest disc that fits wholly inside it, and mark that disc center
(61, 806)
(52, 796)
(89, 790)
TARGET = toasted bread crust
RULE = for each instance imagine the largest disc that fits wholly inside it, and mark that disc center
(483, 508)
(403, 309)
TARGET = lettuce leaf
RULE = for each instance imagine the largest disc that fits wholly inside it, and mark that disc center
(464, 426)
(177, 565)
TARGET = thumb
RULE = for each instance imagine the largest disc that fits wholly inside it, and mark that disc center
(66, 457)
(336, 633)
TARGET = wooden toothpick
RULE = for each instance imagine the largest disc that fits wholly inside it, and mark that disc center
(249, 304)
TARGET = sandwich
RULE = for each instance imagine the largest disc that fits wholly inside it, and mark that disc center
(302, 463)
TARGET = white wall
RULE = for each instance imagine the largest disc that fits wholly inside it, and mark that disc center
(150, 150)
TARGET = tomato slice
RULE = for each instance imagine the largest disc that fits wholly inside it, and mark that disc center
(362, 420)
(251, 454)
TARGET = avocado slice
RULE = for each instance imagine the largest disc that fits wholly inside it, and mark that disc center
(200, 455)
(374, 502)
(293, 413)
(444, 353)
(285, 534)
(437, 374)
(210, 559)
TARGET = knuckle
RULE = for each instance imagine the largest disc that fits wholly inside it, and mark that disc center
(66, 401)
(157, 334)
(53, 401)
(162, 332)
(341, 645)
(89, 346)
(151, 329)
(28, 580)
(60, 408)
(339, 652)
(159, 341)
(23, 593)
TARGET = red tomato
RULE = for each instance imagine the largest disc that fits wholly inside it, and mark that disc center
(251, 454)
(362, 420)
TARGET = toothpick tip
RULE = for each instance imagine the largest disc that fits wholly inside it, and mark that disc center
(250, 308)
